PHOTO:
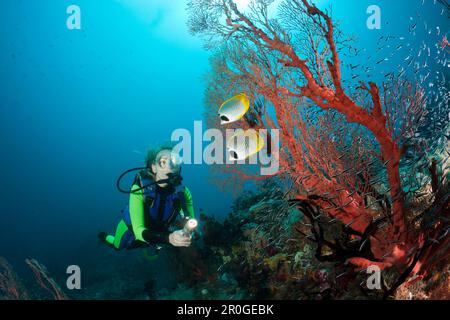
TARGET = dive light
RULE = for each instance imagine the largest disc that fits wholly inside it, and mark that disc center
(190, 226)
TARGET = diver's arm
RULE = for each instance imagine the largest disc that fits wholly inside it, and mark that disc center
(137, 213)
(188, 203)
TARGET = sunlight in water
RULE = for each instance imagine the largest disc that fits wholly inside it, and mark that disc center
(242, 4)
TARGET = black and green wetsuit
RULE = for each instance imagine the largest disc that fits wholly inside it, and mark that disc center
(150, 214)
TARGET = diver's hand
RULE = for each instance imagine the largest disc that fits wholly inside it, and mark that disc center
(179, 239)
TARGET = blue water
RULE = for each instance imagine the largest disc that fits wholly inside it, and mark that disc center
(78, 107)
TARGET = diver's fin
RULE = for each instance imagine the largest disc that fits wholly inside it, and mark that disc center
(102, 240)
(102, 236)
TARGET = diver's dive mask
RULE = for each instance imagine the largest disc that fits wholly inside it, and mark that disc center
(170, 162)
(170, 165)
(168, 168)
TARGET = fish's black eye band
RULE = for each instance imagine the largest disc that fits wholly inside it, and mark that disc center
(234, 154)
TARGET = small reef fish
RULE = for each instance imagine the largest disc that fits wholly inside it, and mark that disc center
(234, 108)
(243, 144)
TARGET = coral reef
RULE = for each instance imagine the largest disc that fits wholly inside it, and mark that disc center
(436, 287)
(45, 281)
(260, 252)
(12, 288)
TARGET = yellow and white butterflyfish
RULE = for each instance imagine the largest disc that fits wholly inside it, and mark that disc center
(243, 144)
(234, 108)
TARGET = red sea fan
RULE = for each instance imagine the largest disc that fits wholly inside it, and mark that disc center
(341, 147)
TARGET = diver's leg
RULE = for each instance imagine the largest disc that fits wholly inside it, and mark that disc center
(120, 239)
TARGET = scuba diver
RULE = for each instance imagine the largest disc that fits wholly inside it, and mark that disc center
(160, 208)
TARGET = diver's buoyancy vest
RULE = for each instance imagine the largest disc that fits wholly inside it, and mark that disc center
(160, 208)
